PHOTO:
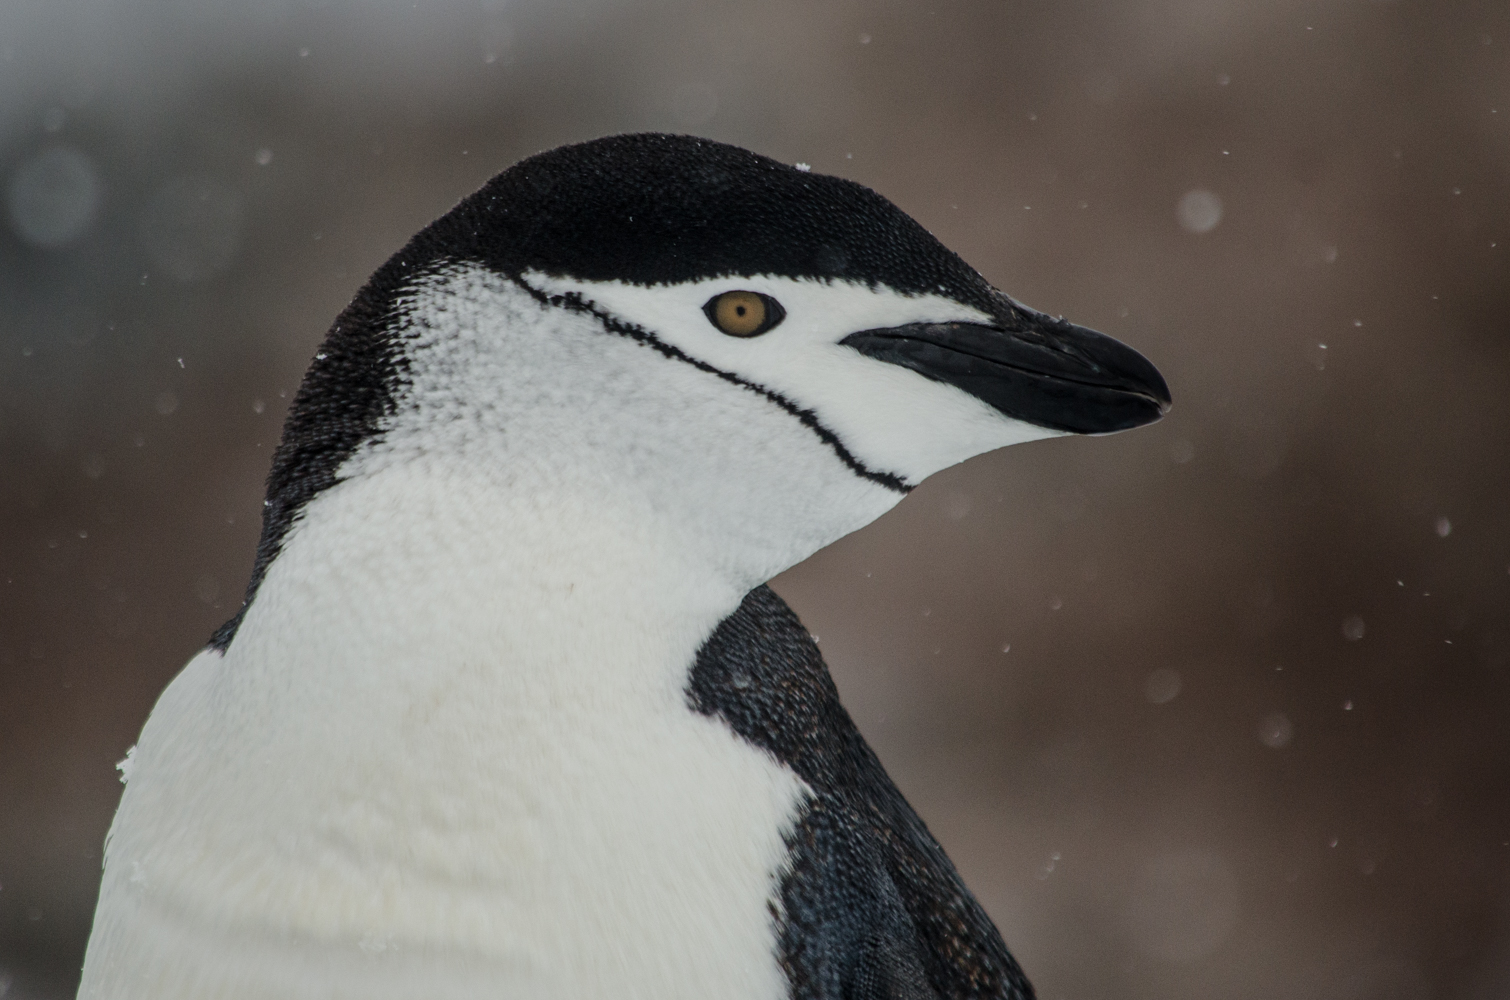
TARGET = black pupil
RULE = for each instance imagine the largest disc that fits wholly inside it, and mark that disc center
(740, 310)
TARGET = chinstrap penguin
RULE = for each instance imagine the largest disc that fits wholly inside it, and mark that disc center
(508, 710)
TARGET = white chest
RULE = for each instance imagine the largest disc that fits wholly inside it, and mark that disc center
(503, 795)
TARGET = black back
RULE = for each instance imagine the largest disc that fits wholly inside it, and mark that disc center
(646, 208)
(871, 906)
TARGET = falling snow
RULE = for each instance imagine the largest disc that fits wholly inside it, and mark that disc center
(1162, 686)
(1199, 211)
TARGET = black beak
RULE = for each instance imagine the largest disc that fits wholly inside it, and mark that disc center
(1034, 368)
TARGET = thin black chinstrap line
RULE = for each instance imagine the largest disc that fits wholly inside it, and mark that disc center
(575, 302)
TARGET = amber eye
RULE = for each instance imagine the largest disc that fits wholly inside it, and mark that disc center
(744, 314)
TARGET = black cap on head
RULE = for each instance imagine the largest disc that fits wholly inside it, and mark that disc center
(660, 209)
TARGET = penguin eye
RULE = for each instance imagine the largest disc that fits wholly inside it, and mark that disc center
(744, 314)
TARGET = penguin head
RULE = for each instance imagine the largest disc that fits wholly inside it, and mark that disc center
(759, 350)
(814, 289)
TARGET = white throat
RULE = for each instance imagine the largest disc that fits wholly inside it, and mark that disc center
(449, 752)
(541, 399)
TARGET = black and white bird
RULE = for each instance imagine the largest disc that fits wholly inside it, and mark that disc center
(508, 710)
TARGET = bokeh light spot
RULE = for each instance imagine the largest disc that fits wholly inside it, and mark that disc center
(53, 197)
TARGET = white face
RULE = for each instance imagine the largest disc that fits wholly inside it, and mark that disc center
(890, 418)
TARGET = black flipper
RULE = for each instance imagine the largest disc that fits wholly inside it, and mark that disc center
(888, 969)
(870, 907)
(889, 963)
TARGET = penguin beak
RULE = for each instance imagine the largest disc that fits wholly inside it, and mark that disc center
(1033, 368)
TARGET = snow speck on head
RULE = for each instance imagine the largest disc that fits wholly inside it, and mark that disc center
(1352, 629)
(1444, 527)
(1161, 686)
(1275, 731)
(264, 156)
(805, 167)
(1199, 211)
(192, 227)
(53, 197)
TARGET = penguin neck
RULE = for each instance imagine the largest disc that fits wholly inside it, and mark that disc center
(409, 569)
(549, 489)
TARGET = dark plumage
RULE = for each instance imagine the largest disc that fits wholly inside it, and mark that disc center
(871, 906)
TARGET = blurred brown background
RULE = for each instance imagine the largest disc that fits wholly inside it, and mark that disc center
(1217, 708)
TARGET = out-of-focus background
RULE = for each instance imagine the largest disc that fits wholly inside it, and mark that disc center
(1217, 708)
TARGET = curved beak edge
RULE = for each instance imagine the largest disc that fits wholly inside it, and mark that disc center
(1049, 373)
